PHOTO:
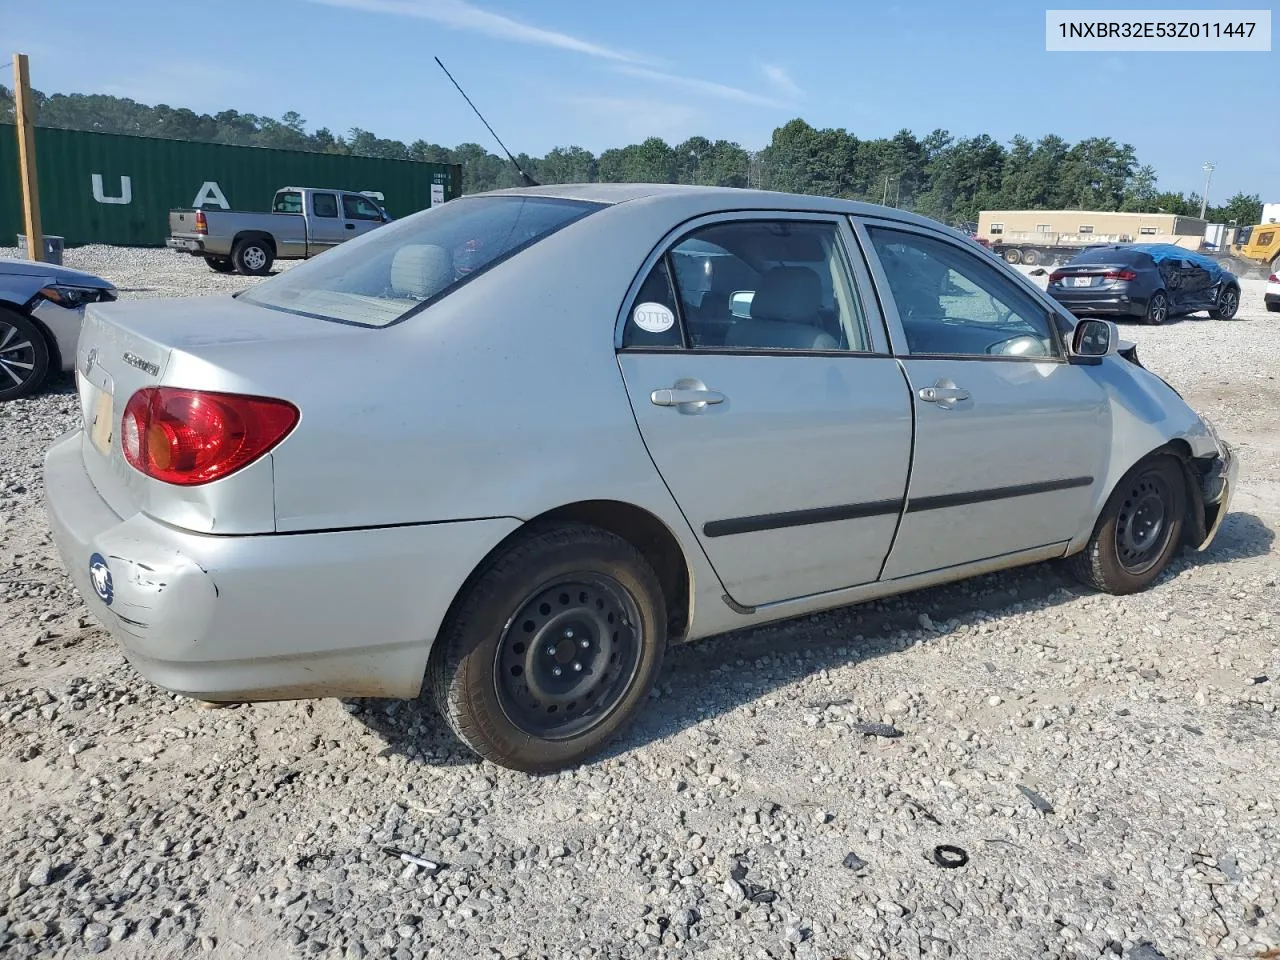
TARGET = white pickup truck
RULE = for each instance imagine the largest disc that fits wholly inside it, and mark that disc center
(303, 221)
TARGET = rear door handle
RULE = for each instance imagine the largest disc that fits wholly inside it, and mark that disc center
(351, 226)
(679, 396)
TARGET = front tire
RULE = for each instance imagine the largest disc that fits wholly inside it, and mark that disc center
(552, 649)
(1157, 309)
(1227, 305)
(24, 356)
(1139, 531)
(252, 258)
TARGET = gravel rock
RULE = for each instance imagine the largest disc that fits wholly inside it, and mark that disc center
(137, 823)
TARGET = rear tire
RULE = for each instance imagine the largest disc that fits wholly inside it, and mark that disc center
(1139, 531)
(1031, 257)
(220, 264)
(1227, 305)
(24, 356)
(252, 258)
(1012, 255)
(552, 649)
(1157, 309)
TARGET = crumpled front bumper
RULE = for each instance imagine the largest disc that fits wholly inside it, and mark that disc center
(1217, 487)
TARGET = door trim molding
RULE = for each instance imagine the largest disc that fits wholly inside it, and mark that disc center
(877, 508)
(800, 518)
(943, 501)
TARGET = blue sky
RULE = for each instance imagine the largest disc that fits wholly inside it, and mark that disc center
(603, 73)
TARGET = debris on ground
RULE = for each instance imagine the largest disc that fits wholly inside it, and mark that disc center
(1037, 801)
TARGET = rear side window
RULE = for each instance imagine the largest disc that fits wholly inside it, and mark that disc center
(287, 201)
(325, 204)
(388, 273)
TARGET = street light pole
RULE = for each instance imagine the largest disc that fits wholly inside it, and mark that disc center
(1208, 176)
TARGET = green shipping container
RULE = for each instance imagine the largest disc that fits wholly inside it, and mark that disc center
(109, 188)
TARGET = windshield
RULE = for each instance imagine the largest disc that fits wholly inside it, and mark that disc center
(386, 274)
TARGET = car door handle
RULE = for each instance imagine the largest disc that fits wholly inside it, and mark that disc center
(351, 226)
(679, 396)
(944, 393)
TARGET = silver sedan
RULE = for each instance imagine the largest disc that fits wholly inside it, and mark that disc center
(512, 447)
(41, 310)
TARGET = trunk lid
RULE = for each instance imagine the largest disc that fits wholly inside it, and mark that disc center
(1085, 276)
(205, 343)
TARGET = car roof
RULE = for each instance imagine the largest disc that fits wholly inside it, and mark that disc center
(700, 200)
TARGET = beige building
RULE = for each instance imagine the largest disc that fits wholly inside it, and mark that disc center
(1083, 227)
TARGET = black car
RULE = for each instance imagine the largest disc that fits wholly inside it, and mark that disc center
(1148, 281)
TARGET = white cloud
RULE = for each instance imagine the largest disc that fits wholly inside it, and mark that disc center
(463, 16)
(706, 87)
(778, 75)
(188, 83)
(629, 120)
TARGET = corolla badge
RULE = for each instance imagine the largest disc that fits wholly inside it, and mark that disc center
(133, 360)
(100, 574)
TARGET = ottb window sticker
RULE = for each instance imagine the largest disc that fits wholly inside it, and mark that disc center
(653, 317)
(100, 576)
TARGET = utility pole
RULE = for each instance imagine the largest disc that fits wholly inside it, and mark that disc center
(1208, 176)
(884, 201)
(26, 130)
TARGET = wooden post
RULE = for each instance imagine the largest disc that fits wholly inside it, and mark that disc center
(26, 129)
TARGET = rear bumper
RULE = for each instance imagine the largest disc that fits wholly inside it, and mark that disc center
(347, 613)
(186, 245)
(1271, 300)
(1107, 302)
(64, 324)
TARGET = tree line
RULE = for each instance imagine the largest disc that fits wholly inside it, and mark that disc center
(939, 175)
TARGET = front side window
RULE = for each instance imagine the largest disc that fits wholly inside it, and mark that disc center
(385, 274)
(951, 303)
(760, 285)
(324, 204)
(355, 207)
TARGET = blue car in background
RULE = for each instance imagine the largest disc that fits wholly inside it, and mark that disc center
(1150, 282)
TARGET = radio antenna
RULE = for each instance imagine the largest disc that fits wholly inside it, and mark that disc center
(528, 180)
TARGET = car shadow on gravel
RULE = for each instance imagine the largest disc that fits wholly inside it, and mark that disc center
(711, 677)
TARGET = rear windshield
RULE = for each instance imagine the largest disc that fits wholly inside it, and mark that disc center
(1109, 255)
(390, 272)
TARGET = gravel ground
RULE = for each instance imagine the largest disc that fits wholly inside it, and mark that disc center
(1110, 765)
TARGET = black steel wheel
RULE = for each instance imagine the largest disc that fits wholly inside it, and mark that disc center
(1157, 309)
(552, 648)
(567, 656)
(1140, 528)
(24, 356)
(1228, 304)
(1143, 527)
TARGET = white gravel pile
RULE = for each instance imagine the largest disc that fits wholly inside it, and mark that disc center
(1109, 765)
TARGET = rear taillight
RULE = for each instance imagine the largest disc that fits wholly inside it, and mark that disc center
(1056, 276)
(202, 223)
(189, 437)
(1120, 275)
(1274, 278)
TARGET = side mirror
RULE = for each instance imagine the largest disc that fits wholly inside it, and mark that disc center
(1092, 340)
(740, 303)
